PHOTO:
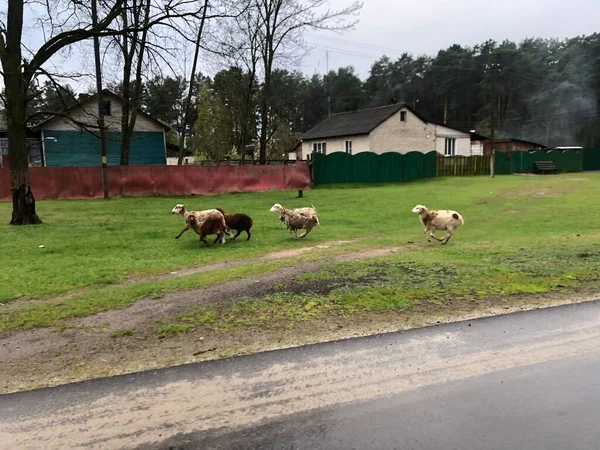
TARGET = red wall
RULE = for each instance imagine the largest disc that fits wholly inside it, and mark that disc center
(86, 182)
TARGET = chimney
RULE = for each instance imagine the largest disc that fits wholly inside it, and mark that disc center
(83, 97)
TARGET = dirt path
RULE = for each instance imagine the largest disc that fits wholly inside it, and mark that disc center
(48, 356)
(224, 265)
(88, 348)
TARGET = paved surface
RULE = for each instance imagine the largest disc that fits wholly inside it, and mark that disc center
(523, 381)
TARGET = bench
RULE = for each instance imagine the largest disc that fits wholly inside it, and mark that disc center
(545, 166)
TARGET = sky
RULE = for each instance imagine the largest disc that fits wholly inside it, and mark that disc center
(392, 27)
(426, 26)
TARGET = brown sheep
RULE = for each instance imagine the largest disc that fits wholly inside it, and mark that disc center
(209, 226)
(238, 222)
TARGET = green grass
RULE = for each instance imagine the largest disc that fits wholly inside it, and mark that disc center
(122, 333)
(173, 329)
(428, 279)
(54, 313)
(520, 237)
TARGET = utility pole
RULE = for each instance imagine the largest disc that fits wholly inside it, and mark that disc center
(493, 120)
(328, 84)
(103, 161)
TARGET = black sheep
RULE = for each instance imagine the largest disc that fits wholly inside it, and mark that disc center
(238, 222)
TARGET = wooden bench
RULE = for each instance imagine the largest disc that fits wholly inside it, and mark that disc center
(545, 166)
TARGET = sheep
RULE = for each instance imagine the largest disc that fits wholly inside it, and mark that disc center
(201, 217)
(297, 219)
(442, 219)
(211, 225)
(238, 222)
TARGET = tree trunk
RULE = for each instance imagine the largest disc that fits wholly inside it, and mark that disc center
(188, 99)
(264, 117)
(127, 61)
(16, 102)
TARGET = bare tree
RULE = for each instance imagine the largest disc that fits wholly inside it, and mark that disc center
(18, 75)
(133, 46)
(66, 22)
(188, 99)
(280, 26)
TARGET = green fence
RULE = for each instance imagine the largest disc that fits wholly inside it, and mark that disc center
(591, 159)
(523, 161)
(367, 167)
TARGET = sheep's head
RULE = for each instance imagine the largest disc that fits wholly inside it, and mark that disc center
(419, 209)
(179, 209)
(277, 208)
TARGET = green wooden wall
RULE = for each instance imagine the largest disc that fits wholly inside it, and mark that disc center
(367, 167)
(80, 149)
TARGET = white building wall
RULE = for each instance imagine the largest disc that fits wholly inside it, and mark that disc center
(411, 135)
(88, 114)
(463, 140)
(359, 144)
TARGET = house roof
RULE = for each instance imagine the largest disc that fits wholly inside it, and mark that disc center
(522, 141)
(92, 98)
(358, 122)
(478, 137)
(362, 121)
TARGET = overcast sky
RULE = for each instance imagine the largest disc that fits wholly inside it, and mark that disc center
(426, 26)
(392, 27)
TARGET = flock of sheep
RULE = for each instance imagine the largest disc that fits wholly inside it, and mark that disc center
(218, 222)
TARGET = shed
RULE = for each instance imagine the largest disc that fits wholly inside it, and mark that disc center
(66, 141)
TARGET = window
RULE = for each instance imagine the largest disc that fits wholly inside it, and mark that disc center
(107, 108)
(450, 147)
(319, 147)
(348, 147)
(402, 116)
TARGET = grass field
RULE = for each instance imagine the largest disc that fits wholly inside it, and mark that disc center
(523, 234)
(99, 298)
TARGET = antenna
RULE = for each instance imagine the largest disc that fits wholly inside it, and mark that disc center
(328, 96)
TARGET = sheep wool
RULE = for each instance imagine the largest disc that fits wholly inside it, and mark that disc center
(297, 219)
(434, 220)
(201, 216)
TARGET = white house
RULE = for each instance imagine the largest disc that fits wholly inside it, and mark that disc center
(393, 128)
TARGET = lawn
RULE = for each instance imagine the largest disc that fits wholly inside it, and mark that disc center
(513, 223)
(528, 241)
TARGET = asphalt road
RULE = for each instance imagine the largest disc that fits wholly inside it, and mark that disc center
(522, 381)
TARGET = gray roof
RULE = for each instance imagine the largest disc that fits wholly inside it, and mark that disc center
(351, 123)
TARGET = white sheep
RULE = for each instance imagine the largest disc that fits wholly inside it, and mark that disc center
(442, 219)
(202, 216)
(297, 219)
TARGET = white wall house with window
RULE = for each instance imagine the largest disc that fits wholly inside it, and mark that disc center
(393, 128)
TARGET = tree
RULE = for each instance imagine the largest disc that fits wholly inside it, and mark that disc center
(132, 46)
(18, 74)
(213, 137)
(346, 90)
(280, 24)
(236, 91)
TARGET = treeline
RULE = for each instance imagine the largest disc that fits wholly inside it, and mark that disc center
(542, 90)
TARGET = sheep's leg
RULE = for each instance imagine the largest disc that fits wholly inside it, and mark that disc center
(249, 234)
(307, 230)
(431, 234)
(446, 238)
(238, 233)
(203, 238)
(187, 227)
